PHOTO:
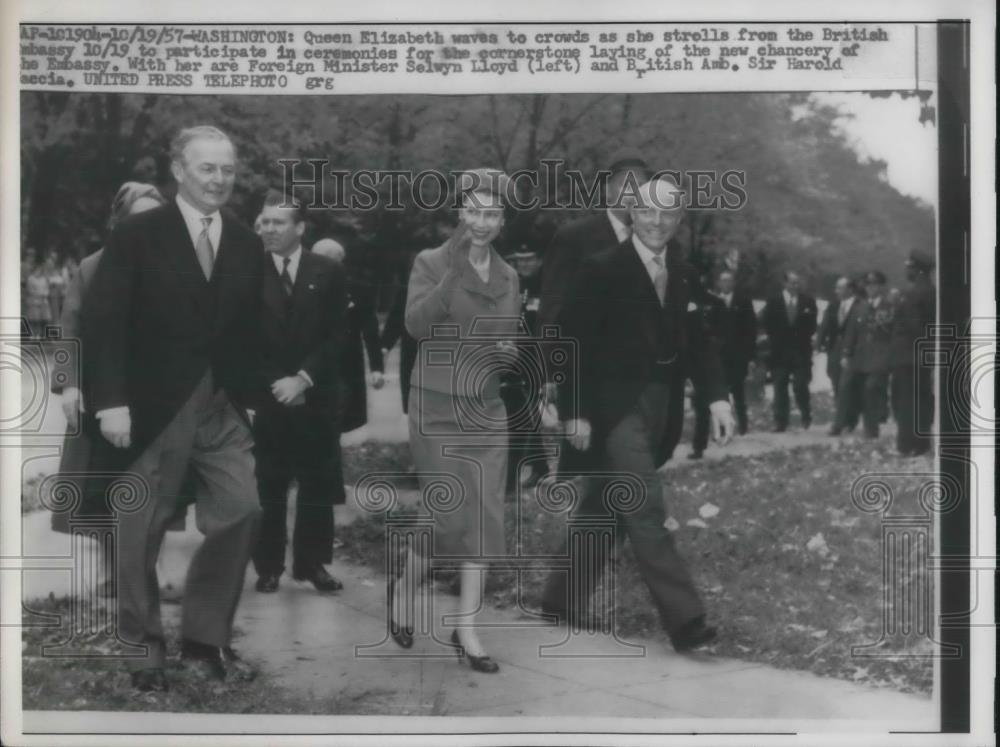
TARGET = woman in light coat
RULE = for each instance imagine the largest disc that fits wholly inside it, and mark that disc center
(457, 419)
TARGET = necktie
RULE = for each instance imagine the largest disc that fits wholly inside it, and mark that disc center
(660, 278)
(841, 313)
(286, 278)
(791, 309)
(203, 248)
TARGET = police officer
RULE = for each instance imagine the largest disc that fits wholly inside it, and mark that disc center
(912, 387)
(866, 352)
(520, 393)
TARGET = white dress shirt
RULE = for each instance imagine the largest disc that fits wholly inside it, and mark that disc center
(293, 271)
(293, 265)
(646, 256)
(621, 230)
(192, 219)
(727, 298)
(845, 308)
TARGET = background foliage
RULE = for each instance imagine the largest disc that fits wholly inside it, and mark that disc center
(812, 204)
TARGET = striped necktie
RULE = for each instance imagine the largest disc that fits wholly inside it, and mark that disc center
(203, 248)
(660, 278)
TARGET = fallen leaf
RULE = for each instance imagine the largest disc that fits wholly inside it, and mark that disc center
(817, 544)
(696, 523)
(671, 524)
(708, 510)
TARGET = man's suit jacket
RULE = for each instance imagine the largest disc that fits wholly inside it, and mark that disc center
(153, 325)
(830, 337)
(395, 331)
(303, 332)
(739, 333)
(791, 343)
(868, 336)
(622, 331)
(361, 336)
(572, 244)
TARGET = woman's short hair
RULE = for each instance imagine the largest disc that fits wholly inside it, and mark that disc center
(127, 195)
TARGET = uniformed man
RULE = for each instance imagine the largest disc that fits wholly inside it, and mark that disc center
(865, 352)
(912, 388)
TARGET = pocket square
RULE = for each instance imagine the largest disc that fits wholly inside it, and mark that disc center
(692, 306)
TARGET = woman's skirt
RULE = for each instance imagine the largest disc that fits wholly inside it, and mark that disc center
(459, 448)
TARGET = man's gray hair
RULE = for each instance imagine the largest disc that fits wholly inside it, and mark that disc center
(186, 135)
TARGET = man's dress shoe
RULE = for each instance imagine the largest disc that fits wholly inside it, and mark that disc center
(319, 578)
(267, 583)
(692, 635)
(149, 680)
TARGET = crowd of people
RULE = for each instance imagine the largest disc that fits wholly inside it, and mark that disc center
(44, 284)
(221, 363)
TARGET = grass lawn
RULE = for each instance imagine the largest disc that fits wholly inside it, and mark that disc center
(101, 683)
(791, 571)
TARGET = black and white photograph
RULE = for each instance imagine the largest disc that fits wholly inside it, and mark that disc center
(570, 380)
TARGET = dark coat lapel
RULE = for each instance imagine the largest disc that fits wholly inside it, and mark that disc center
(274, 294)
(677, 279)
(303, 278)
(636, 289)
(225, 268)
(179, 247)
(635, 280)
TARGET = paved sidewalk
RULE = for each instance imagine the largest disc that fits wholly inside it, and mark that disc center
(309, 642)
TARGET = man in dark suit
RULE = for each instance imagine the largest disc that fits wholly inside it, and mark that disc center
(865, 352)
(170, 332)
(395, 331)
(520, 393)
(303, 311)
(361, 335)
(789, 319)
(840, 312)
(739, 342)
(913, 380)
(628, 310)
(580, 240)
(706, 316)
(592, 235)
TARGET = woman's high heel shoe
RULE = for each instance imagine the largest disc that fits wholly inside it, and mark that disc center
(403, 635)
(478, 663)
